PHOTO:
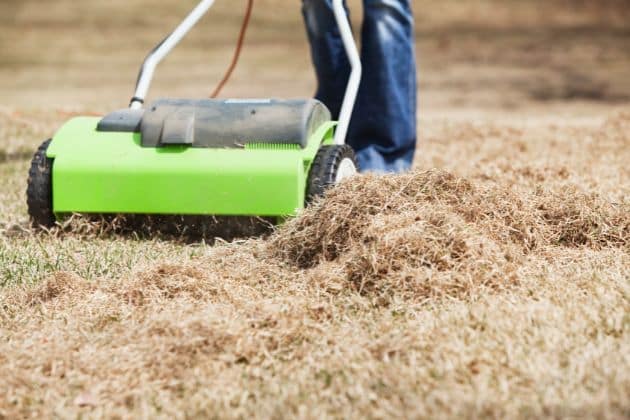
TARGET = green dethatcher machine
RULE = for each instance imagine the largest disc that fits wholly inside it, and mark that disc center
(195, 157)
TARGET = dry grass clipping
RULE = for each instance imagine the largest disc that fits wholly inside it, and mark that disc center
(334, 314)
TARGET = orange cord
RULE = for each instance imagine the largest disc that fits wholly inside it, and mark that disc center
(237, 52)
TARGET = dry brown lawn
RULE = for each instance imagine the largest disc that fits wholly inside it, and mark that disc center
(493, 281)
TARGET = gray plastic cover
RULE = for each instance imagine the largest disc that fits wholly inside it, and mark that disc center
(231, 123)
(123, 120)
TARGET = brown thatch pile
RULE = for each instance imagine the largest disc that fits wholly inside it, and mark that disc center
(432, 233)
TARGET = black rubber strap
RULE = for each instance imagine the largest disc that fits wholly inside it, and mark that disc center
(136, 99)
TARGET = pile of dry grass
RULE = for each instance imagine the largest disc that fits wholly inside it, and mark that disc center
(433, 233)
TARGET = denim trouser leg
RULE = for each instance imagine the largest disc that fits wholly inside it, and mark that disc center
(383, 126)
(332, 67)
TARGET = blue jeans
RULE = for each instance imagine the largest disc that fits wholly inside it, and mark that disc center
(383, 126)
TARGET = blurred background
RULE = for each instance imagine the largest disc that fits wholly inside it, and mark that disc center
(475, 56)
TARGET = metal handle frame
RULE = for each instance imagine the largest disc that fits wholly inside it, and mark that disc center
(166, 46)
(163, 49)
(352, 89)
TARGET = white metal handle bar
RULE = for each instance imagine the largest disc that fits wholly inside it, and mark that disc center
(354, 81)
(164, 48)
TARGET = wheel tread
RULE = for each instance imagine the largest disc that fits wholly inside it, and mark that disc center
(39, 189)
(324, 169)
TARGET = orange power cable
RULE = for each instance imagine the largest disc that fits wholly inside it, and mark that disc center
(237, 52)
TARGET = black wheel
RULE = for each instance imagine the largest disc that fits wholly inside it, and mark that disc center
(332, 164)
(39, 189)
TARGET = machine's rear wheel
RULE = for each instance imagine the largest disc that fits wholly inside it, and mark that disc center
(332, 164)
(39, 190)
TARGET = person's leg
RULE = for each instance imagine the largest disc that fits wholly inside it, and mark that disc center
(383, 130)
(329, 58)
